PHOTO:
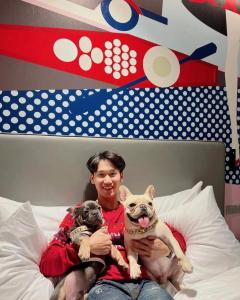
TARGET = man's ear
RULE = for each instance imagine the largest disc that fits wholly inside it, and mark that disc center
(91, 179)
(121, 175)
(150, 191)
(124, 192)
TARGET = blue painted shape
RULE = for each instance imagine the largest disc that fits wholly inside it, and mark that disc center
(92, 102)
(201, 52)
(154, 16)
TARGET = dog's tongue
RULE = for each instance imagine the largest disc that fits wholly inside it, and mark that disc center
(143, 222)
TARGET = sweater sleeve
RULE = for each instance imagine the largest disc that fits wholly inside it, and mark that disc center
(60, 255)
(179, 237)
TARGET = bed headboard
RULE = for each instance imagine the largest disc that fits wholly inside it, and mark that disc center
(51, 170)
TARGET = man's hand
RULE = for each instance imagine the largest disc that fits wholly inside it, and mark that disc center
(150, 247)
(100, 242)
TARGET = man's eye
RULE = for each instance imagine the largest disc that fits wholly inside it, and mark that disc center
(113, 174)
(100, 175)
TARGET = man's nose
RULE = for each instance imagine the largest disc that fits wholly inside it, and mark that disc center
(107, 179)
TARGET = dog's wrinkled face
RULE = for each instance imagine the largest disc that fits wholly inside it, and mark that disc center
(89, 214)
(139, 208)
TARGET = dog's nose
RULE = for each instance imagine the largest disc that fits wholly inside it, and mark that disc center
(142, 206)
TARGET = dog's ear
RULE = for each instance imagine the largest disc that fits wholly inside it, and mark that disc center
(74, 211)
(70, 210)
(150, 191)
(124, 192)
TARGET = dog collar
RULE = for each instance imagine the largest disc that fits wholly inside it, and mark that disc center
(141, 230)
(79, 231)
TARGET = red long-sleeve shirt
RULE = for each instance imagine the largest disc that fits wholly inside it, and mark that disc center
(61, 255)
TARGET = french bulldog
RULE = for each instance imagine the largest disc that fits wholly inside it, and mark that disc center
(88, 218)
(142, 221)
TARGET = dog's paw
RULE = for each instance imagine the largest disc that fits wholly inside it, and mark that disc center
(186, 265)
(135, 272)
(123, 264)
(84, 255)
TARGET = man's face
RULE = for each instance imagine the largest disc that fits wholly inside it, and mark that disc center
(107, 180)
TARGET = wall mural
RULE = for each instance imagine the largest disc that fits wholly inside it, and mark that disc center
(123, 68)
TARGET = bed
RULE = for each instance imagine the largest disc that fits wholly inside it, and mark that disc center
(41, 176)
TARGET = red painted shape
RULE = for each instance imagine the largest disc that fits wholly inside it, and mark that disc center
(232, 5)
(135, 6)
(35, 45)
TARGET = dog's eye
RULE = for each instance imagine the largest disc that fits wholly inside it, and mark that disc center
(150, 203)
(86, 210)
(132, 205)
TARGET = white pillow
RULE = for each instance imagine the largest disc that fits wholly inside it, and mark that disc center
(211, 246)
(48, 218)
(166, 203)
(21, 246)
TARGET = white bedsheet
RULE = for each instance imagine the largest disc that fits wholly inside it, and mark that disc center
(224, 286)
(211, 247)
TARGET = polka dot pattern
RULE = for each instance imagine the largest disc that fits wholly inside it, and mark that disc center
(120, 61)
(171, 113)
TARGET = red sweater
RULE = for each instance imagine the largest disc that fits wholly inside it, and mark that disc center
(61, 254)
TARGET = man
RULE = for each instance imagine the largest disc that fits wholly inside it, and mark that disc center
(107, 175)
(60, 261)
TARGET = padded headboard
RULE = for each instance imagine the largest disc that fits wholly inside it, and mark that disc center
(51, 170)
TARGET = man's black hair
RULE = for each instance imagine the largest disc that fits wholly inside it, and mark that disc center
(116, 160)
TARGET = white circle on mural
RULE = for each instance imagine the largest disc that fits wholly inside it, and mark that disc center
(117, 42)
(22, 100)
(125, 48)
(108, 45)
(116, 58)
(133, 61)
(85, 62)
(6, 113)
(6, 99)
(116, 75)
(14, 93)
(116, 50)
(132, 69)
(125, 64)
(85, 44)
(14, 120)
(125, 56)
(65, 50)
(6, 126)
(108, 61)
(108, 69)
(161, 66)
(120, 11)
(108, 53)
(133, 53)
(97, 55)
(30, 94)
(116, 67)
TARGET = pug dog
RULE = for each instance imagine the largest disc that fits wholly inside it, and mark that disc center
(141, 221)
(88, 219)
